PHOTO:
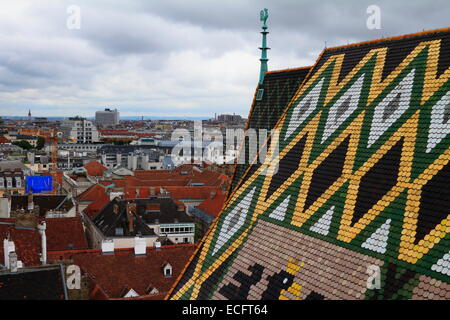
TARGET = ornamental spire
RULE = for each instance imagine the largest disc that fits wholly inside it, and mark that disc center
(264, 14)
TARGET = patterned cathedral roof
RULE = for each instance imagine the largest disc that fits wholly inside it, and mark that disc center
(354, 203)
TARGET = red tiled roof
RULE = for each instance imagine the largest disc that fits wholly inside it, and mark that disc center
(114, 272)
(181, 176)
(92, 193)
(27, 242)
(140, 135)
(115, 132)
(4, 140)
(95, 207)
(130, 193)
(98, 197)
(213, 206)
(200, 192)
(95, 168)
(61, 232)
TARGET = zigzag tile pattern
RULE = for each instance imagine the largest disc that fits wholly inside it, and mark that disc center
(364, 209)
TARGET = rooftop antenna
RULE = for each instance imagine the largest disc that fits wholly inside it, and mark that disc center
(325, 44)
(264, 14)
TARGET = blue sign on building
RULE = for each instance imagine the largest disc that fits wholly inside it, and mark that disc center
(38, 184)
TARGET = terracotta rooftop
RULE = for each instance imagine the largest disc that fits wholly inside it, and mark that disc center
(213, 206)
(200, 192)
(26, 241)
(4, 140)
(65, 233)
(115, 274)
(92, 193)
(95, 168)
(62, 234)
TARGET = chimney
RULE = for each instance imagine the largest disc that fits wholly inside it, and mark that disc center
(41, 228)
(140, 246)
(8, 247)
(130, 216)
(13, 261)
(152, 191)
(30, 201)
(157, 245)
(213, 194)
(107, 246)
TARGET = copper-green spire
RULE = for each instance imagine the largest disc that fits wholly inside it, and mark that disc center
(264, 14)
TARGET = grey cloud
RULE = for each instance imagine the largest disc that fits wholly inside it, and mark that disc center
(175, 56)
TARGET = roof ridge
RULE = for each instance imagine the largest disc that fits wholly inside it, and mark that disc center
(409, 35)
(289, 69)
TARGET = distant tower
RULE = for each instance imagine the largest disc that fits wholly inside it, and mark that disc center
(264, 14)
(29, 115)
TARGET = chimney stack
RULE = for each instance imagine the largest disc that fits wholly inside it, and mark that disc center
(41, 228)
(13, 261)
(107, 246)
(152, 191)
(140, 246)
(8, 247)
(30, 201)
(213, 194)
(130, 206)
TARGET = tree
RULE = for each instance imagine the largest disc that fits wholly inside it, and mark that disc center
(23, 144)
(120, 142)
(40, 143)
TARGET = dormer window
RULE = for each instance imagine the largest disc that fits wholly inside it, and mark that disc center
(18, 182)
(259, 94)
(119, 231)
(131, 294)
(167, 269)
(8, 182)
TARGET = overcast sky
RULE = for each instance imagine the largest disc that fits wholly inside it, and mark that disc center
(174, 57)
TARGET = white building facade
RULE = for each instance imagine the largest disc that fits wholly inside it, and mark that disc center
(79, 130)
(107, 117)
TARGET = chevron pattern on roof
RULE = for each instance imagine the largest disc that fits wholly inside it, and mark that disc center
(364, 212)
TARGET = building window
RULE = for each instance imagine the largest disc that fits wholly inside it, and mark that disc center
(259, 94)
(186, 240)
(167, 270)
